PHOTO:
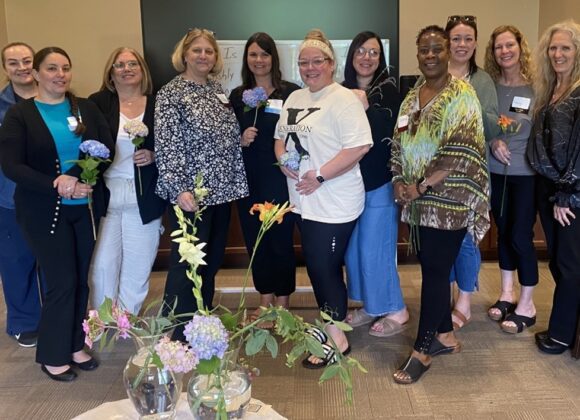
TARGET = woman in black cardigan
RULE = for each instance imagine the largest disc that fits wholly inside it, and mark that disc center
(129, 235)
(40, 139)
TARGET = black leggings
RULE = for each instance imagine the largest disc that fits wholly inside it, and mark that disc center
(438, 250)
(324, 246)
(515, 225)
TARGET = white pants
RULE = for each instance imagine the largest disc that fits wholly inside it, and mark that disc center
(125, 250)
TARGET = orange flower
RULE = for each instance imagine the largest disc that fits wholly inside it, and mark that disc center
(270, 213)
(504, 122)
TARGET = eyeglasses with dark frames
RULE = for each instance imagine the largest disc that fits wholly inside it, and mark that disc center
(372, 52)
(129, 64)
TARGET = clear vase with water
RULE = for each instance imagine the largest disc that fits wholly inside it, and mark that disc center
(154, 392)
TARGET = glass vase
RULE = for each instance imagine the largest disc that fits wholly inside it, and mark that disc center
(154, 392)
(203, 393)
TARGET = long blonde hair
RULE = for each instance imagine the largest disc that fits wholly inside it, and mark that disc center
(545, 79)
(178, 56)
(491, 65)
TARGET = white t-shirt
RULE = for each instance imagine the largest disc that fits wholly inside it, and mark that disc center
(122, 166)
(319, 125)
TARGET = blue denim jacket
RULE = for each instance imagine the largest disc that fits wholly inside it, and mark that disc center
(7, 187)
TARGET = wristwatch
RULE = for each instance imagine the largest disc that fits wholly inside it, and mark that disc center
(319, 177)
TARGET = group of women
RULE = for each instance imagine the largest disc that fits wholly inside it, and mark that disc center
(361, 157)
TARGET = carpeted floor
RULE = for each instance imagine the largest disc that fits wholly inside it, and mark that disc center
(496, 376)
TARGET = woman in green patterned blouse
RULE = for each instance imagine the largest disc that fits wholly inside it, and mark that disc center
(440, 179)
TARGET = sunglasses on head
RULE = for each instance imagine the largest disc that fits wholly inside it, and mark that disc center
(462, 18)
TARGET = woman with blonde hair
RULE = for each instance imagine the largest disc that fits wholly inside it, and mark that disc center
(196, 132)
(554, 152)
(507, 60)
(129, 235)
(326, 123)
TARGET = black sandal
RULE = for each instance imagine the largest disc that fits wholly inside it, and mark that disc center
(413, 368)
(504, 307)
(522, 322)
(437, 348)
(328, 359)
(318, 334)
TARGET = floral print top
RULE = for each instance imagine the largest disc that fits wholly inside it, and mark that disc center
(196, 132)
(447, 134)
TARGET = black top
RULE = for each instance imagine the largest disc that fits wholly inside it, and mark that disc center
(384, 102)
(554, 148)
(151, 206)
(265, 180)
(30, 159)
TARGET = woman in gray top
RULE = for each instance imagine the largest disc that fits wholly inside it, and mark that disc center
(507, 60)
(462, 32)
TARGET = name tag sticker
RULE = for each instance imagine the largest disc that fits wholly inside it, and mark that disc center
(274, 106)
(223, 98)
(520, 105)
(403, 123)
(72, 123)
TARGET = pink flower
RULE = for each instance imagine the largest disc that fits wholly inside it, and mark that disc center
(93, 327)
(176, 357)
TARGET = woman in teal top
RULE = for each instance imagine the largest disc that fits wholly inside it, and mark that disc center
(40, 137)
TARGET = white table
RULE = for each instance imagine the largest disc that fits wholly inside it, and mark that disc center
(123, 410)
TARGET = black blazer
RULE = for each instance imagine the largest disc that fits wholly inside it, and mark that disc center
(151, 206)
(30, 159)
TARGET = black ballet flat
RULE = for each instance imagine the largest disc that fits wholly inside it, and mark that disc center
(89, 365)
(551, 347)
(66, 376)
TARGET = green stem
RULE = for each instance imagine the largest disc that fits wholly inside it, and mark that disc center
(261, 233)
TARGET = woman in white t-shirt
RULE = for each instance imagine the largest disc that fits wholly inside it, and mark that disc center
(326, 124)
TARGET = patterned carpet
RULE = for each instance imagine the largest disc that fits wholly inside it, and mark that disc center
(496, 376)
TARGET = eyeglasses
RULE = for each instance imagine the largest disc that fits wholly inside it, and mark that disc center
(315, 62)
(131, 65)
(362, 51)
(462, 18)
(199, 51)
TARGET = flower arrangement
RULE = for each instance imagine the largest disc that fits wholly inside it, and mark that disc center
(507, 126)
(211, 335)
(138, 131)
(254, 99)
(290, 160)
(95, 153)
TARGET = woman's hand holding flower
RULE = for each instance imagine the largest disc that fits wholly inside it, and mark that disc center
(186, 201)
(143, 157)
(400, 192)
(500, 151)
(308, 184)
(81, 190)
(249, 136)
(65, 185)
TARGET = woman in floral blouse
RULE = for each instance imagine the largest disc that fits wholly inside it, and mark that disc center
(196, 132)
(440, 178)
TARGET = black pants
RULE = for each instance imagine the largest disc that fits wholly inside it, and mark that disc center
(274, 266)
(324, 246)
(438, 250)
(564, 251)
(213, 230)
(65, 258)
(515, 226)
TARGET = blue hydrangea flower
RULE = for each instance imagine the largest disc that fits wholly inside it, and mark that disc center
(95, 148)
(291, 160)
(207, 336)
(255, 97)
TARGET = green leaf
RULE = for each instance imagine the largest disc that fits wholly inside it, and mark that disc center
(106, 311)
(205, 366)
(272, 346)
(325, 316)
(229, 320)
(287, 320)
(342, 326)
(329, 372)
(256, 341)
(314, 346)
(156, 360)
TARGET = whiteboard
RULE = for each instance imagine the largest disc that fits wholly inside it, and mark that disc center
(233, 52)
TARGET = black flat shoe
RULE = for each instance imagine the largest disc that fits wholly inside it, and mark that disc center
(89, 365)
(541, 336)
(551, 347)
(66, 376)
